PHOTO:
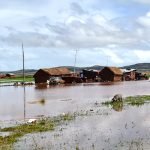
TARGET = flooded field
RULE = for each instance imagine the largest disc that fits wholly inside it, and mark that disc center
(17, 102)
(94, 127)
(103, 129)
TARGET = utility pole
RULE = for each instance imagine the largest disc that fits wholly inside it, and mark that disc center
(75, 61)
(23, 64)
(24, 91)
(107, 61)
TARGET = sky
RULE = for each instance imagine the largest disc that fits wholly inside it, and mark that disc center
(104, 32)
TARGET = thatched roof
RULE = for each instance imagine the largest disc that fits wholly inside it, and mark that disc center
(115, 70)
(57, 71)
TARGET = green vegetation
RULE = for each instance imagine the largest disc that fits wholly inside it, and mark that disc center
(137, 100)
(41, 125)
(131, 100)
(17, 79)
(118, 106)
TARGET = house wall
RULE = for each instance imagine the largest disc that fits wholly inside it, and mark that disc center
(117, 78)
(133, 75)
(129, 76)
(41, 77)
(89, 74)
(72, 79)
(106, 75)
(9, 76)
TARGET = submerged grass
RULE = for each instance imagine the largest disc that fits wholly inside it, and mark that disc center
(42, 125)
(137, 100)
(131, 100)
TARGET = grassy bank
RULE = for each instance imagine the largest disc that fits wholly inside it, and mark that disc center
(41, 125)
(131, 100)
(17, 79)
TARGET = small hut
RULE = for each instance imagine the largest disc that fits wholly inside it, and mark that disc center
(129, 74)
(141, 76)
(10, 75)
(42, 75)
(90, 74)
(111, 74)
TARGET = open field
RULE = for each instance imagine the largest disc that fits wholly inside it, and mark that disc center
(17, 79)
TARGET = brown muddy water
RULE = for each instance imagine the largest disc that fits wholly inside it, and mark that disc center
(19, 103)
(102, 128)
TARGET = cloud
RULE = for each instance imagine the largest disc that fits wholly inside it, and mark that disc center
(142, 55)
(81, 30)
(113, 57)
(101, 29)
(144, 20)
(76, 8)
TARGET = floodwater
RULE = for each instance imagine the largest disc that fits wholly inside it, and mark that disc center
(17, 103)
(100, 128)
(103, 129)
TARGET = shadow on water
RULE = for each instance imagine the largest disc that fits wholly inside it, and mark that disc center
(41, 86)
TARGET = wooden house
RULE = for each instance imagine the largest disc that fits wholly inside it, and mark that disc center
(90, 74)
(111, 74)
(43, 75)
(10, 75)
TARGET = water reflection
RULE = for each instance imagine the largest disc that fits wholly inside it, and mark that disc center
(41, 86)
(117, 106)
(24, 98)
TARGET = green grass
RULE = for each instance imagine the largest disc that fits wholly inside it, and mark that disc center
(17, 79)
(41, 125)
(118, 106)
(131, 100)
(137, 100)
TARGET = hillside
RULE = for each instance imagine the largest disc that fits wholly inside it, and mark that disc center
(142, 67)
(20, 72)
(139, 66)
(78, 69)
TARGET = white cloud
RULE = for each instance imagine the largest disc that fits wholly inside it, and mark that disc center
(72, 19)
(113, 57)
(145, 20)
(86, 25)
(100, 20)
(142, 55)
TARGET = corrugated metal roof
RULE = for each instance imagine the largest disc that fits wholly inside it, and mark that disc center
(127, 70)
